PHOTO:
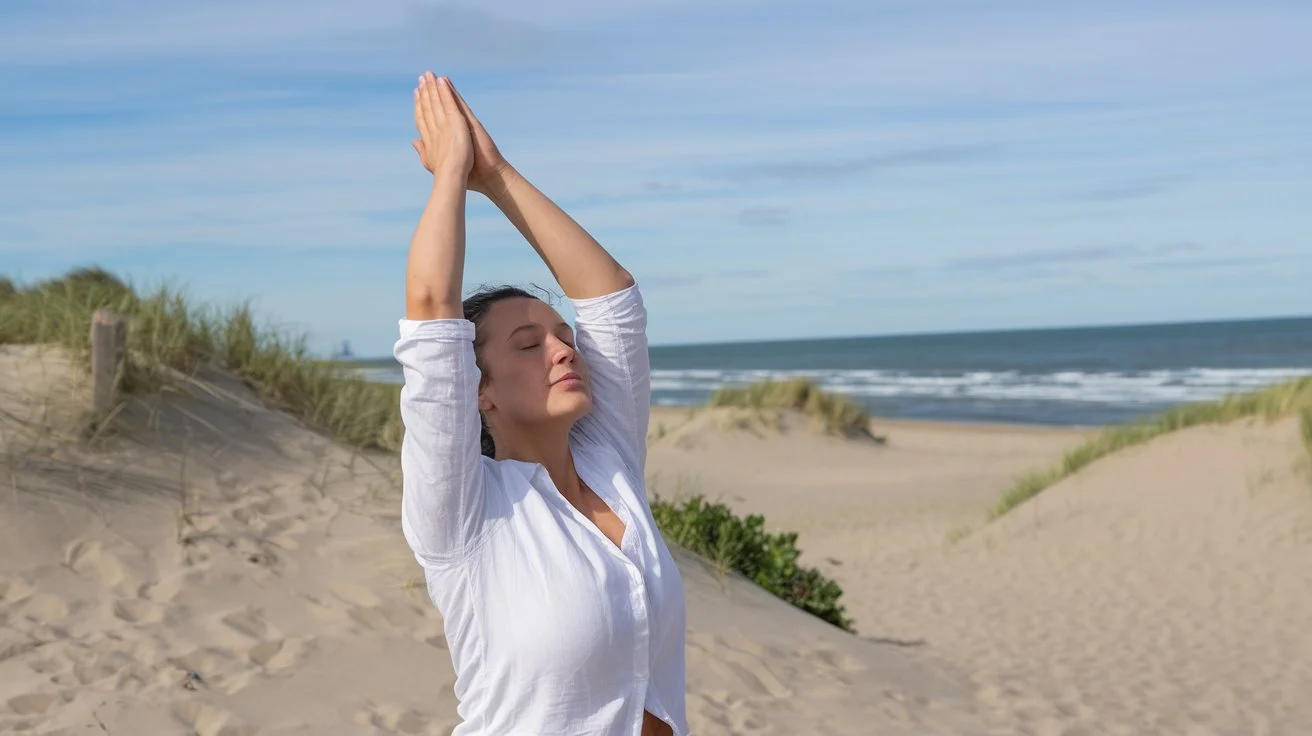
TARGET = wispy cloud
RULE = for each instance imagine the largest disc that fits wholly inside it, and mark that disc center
(792, 171)
(1050, 257)
(1129, 190)
(695, 278)
(764, 217)
(1228, 261)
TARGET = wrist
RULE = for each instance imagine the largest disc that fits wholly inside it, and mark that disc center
(496, 186)
(447, 178)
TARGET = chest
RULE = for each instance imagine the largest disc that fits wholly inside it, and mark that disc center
(596, 512)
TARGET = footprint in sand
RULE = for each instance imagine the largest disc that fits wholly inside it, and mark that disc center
(389, 616)
(15, 643)
(31, 703)
(733, 663)
(13, 588)
(42, 607)
(88, 557)
(47, 665)
(92, 667)
(280, 654)
(205, 662)
(138, 611)
(162, 590)
(254, 552)
(248, 622)
(207, 720)
(839, 661)
(354, 595)
(399, 719)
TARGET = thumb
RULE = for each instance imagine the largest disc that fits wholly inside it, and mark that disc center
(418, 145)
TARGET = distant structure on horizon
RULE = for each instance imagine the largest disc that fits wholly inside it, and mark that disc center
(344, 353)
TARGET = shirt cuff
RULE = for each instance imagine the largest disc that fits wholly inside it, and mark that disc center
(597, 307)
(440, 330)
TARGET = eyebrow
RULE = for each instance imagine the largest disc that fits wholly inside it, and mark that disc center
(531, 326)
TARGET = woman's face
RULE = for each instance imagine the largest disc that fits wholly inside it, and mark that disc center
(531, 372)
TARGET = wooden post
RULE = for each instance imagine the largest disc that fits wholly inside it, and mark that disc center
(109, 337)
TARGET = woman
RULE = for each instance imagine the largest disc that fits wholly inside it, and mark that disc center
(523, 464)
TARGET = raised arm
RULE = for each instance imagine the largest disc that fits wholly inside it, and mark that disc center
(611, 329)
(442, 506)
(581, 266)
(436, 266)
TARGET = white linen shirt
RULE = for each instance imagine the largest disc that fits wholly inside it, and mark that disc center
(552, 628)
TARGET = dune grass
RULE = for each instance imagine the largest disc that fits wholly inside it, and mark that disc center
(1276, 401)
(836, 414)
(169, 333)
(1305, 425)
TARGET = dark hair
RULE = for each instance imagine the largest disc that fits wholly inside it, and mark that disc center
(476, 307)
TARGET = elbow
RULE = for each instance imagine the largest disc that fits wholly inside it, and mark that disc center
(422, 304)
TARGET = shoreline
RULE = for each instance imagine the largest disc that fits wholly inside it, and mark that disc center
(950, 425)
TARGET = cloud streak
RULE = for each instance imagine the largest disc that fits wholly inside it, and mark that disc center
(1056, 257)
(763, 217)
(803, 171)
(1129, 190)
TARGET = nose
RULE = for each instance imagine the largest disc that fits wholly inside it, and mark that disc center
(563, 353)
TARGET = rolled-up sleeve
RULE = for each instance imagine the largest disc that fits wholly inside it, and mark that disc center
(443, 506)
(611, 335)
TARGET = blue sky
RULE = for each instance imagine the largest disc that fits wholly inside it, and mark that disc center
(767, 169)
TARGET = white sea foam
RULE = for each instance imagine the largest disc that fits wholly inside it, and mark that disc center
(1147, 387)
(1153, 387)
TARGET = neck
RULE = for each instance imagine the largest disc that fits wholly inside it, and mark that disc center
(546, 446)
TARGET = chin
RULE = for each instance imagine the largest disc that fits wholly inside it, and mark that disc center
(574, 406)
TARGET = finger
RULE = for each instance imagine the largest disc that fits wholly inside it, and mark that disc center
(432, 123)
(446, 95)
(435, 106)
(428, 130)
(419, 113)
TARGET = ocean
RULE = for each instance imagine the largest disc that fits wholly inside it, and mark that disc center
(1060, 377)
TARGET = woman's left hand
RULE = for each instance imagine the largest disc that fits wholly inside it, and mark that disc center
(490, 167)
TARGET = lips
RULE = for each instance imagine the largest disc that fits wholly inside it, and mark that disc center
(568, 377)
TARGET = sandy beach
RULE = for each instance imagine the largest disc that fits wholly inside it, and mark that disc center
(206, 565)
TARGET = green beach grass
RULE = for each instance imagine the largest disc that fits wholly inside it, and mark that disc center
(835, 413)
(1277, 401)
(1305, 425)
(169, 333)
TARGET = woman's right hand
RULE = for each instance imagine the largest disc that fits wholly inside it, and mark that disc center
(445, 146)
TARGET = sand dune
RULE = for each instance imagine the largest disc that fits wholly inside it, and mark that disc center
(1165, 590)
(209, 566)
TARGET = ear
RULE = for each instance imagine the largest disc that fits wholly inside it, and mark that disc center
(484, 401)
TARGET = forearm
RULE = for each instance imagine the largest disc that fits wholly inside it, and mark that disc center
(579, 263)
(436, 264)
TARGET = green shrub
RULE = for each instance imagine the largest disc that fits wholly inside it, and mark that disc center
(836, 413)
(733, 543)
